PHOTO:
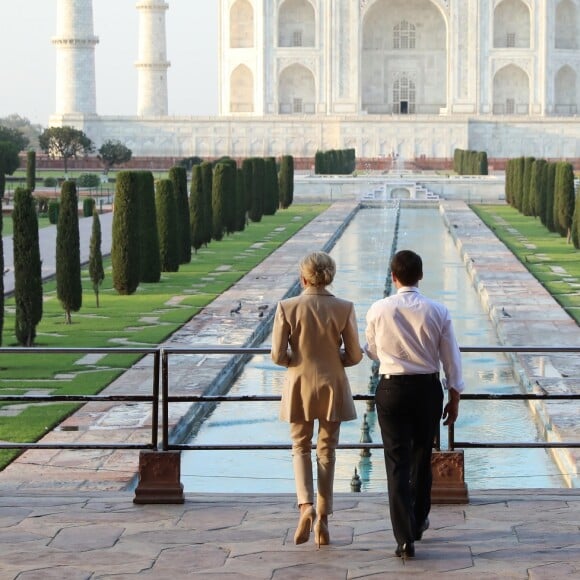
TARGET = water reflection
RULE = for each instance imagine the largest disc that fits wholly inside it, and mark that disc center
(362, 262)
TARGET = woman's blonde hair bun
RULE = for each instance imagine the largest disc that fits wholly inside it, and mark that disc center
(318, 269)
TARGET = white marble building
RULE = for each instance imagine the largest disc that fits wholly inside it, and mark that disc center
(412, 77)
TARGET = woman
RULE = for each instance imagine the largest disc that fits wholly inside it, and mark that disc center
(309, 331)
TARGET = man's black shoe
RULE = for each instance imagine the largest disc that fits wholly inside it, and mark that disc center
(424, 526)
(405, 550)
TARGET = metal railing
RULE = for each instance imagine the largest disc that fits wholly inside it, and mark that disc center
(161, 397)
(153, 398)
(167, 399)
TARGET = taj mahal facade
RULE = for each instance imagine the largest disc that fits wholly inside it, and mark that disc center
(411, 78)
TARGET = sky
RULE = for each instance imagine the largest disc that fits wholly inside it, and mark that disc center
(28, 59)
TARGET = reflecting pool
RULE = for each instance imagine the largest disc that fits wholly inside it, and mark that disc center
(362, 256)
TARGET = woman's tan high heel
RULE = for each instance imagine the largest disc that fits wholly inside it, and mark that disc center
(321, 534)
(305, 524)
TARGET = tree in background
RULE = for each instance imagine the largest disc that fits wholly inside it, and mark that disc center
(96, 271)
(271, 198)
(149, 260)
(286, 181)
(518, 192)
(69, 289)
(197, 212)
(9, 162)
(178, 176)
(219, 187)
(549, 186)
(207, 181)
(166, 209)
(190, 162)
(258, 184)
(228, 195)
(31, 170)
(27, 267)
(14, 136)
(30, 132)
(526, 207)
(113, 153)
(240, 201)
(538, 190)
(247, 168)
(1, 277)
(564, 199)
(125, 234)
(65, 143)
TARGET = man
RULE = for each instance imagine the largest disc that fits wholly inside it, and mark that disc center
(411, 337)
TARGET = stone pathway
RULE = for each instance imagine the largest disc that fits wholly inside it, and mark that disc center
(529, 535)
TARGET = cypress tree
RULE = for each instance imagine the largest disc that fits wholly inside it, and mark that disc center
(509, 176)
(240, 202)
(576, 223)
(27, 267)
(228, 195)
(207, 181)
(258, 182)
(69, 289)
(526, 207)
(271, 198)
(518, 183)
(196, 210)
(564, 199)
(319, 163)
(550, 193)
(286, 181)
(167, 225)
(178, 176)
(1, 277)
(149, 260)
(220, 184)
(247, 168)
(31, 170)
(538, 189)
(125, 234)
(96, 271)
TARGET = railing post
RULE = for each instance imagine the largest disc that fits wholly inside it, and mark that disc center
(160, 471)
(448, 468)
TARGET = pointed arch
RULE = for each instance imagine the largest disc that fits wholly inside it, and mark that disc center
(403, 39)
(565, 91)
(241, 24)
(511, 25)
(566, 25)
(296, 24)
(296, 90)
(242, 90)
(511, 91)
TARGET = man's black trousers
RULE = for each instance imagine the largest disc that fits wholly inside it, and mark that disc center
(409, 408)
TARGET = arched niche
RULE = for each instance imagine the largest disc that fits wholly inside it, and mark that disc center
(566, 25)
(241, 24)
(511, 25)
(511, 91)
(296, 90)
(296, 24)
(403, 39)
(242, 90)
(565, 91)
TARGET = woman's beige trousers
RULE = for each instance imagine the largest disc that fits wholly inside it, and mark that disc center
(301, 434)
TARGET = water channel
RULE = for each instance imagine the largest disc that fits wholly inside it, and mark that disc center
(362, 255)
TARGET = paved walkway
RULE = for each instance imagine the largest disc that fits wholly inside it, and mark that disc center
(520, 535)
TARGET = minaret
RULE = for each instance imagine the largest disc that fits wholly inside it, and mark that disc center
(152, 64)
(75, 58)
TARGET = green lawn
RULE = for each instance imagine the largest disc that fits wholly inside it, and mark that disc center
(127, 318)
(7, 224)
(554, 262)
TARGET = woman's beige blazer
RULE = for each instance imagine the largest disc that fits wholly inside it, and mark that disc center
(315, 335)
